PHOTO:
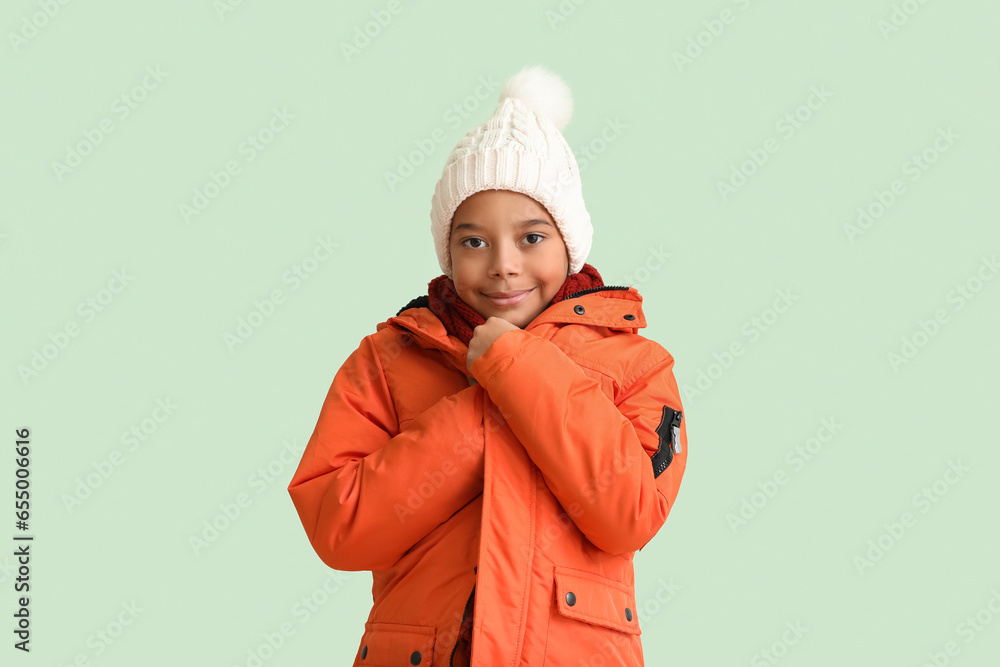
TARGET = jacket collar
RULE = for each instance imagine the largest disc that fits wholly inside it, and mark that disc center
(613, 306)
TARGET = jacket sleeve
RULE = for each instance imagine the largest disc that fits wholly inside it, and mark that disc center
(596, 455)
(366, 493)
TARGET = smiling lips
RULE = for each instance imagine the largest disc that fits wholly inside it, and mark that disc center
(507, 298)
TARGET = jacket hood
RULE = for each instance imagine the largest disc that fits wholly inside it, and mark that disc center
(617, 307)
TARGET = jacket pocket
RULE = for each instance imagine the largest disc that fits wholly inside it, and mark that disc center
(390, 644)
(591, 598)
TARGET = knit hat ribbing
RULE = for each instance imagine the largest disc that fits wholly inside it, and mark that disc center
(520, 148)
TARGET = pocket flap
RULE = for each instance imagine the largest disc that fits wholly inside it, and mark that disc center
(396, 644)
(594, 599)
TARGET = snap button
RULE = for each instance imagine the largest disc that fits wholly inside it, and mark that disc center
(629, 316)
(415, 658)
(628, 614)
(579, 310)
(364, 652)
(570, 599)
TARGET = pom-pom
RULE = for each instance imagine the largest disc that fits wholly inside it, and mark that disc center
(543, 92)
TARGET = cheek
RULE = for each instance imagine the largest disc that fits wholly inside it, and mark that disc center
(459, 269)
(464, 284)
(558, 266)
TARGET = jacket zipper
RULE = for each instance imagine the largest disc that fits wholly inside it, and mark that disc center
(675, 430)
(670, 440)
(465, 615)
(595, 289)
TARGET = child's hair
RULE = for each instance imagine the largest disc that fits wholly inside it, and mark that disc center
(520, 148)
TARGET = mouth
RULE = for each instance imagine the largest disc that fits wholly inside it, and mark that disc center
(508, 298)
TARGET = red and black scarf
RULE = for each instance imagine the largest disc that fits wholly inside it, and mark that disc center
(460, 319)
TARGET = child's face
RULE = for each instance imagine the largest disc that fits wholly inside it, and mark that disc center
(504, 241)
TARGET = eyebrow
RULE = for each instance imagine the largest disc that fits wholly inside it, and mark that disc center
(523, 223)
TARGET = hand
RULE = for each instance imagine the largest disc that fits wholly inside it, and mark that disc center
(483, 336)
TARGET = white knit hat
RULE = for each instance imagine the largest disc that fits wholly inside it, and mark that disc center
(520, 148)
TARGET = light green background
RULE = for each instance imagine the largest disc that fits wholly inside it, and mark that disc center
(653, 189)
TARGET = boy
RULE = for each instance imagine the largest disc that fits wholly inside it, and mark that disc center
(497, 452)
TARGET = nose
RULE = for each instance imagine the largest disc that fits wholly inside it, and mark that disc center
(505, 260)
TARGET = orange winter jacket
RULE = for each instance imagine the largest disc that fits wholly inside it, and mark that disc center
(522, 492)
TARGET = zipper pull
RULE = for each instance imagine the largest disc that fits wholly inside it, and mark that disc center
(676, 430)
